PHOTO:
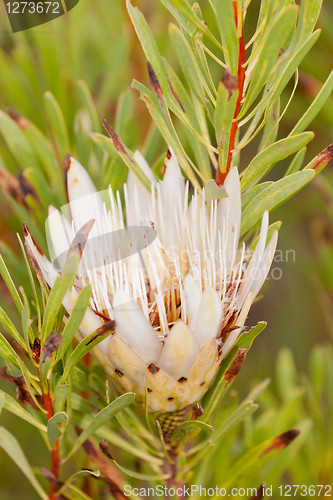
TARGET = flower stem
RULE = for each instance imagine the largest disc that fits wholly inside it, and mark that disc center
(220, 176)
(55, 451)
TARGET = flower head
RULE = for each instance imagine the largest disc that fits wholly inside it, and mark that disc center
(167, 271)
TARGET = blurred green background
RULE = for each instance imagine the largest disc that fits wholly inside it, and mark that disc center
(96, 43)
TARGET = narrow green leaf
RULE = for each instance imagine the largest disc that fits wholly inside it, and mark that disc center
(184, 14)
(11, 405)
(287, 66)
(13, 449)
(88, 104)
(10, 285)
(271, 126)
(273, 196)
(194, 425)
(278, 151)
(241, 413)
(101, 418)
(309, 12)
(167, 131)
(215, 394)
(54, 303)
(16, 141)
(41, 186)
(315, 106)
(271, 228)
(81, 350)
(187, 61)
(57, 123)
(214, 192)
(74, 321)
(297, 162)
(55, 427)
(7, 352)
(74, 477)
(227, 26)
(125, 154)
(44, 152)
(252, 192)
(151, 51)
(7, 323)
(275, 36)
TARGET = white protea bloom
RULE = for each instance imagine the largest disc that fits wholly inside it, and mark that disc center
(179, 302)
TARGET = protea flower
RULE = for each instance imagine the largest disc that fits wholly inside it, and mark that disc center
(178, 303)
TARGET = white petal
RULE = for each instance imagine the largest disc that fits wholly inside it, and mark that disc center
(140, 160)
(193, 296)
(265, 264)
(133, 327)
(229, 216)
(171, 199)
(138, 200)
(59, 234)
(179, 350)
(49, 272)
(85, 203)
(209, 318)
(253, 269)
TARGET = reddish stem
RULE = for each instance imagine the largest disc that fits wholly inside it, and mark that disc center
(220, 176)
(55, 451)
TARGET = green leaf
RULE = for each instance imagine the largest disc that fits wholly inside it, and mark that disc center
(10, 285)
(297, 162)
(224, 113)
(126, 155)
(278, 151)
(307, 19)
(227, 27)
(41, 186)
(192, 425)
(166, 128)
(7, 352)
(184, 14)
(101, 418)
(271, 228)
(272, 196)
(11, 446)
(11, 405)
(16, 141)
(61, 286)
(264, 61)
(241, 413)
(57, 123)
(271, 126)
(7, 323)
(216, 393)
(315, 106)
(88, 103)
(55, 427)
(46, 156)
(81, 350)
(74, 320)
(214, 192)
(78, 475)
(288, 64)
(151, 51)
(252, 192)
(187, 61)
